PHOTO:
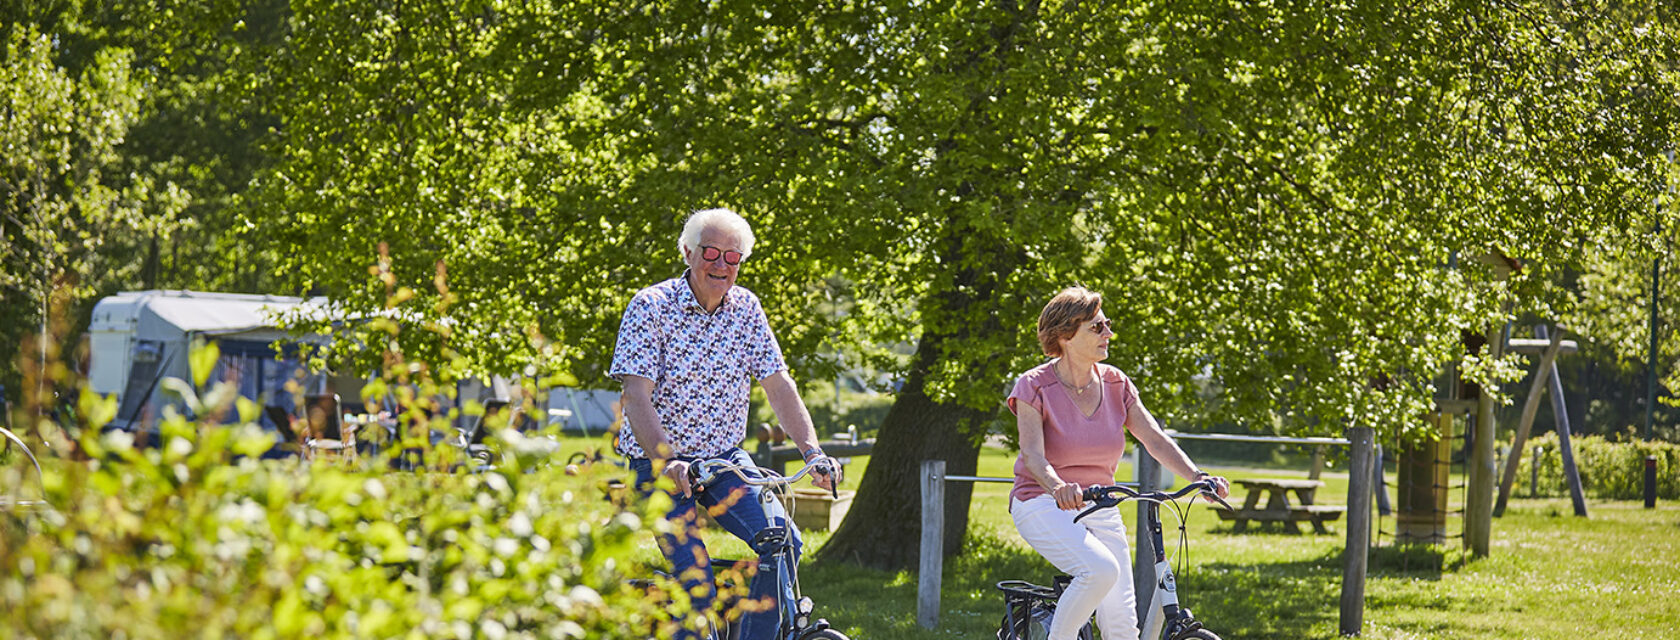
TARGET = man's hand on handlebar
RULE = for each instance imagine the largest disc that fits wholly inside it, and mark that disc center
(830, 479)
(677, 471)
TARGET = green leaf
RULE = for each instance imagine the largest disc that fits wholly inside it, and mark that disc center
(202, 357)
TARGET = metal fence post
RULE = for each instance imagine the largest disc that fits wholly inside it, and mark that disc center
(1650, 482)
(1358, 530)
(1381, 485)
(1143, 558)
(932, 564)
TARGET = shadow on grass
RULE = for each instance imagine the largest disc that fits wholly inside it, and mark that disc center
(881, 605)
(1284, 599)
(1414, 561)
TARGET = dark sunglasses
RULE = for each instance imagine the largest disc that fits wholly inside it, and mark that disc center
(710, 254)
(1098, 326)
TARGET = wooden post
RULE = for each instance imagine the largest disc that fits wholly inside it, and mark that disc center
(1317, 467)
(933, 543)
(1357, 554)
(1531, 406)
(1478, 501)
(1534, 475)
(1143, 557)
(1561, 413)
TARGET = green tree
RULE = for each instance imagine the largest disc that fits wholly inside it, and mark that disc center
(63, 196)
(1268, 194)
(180, 146)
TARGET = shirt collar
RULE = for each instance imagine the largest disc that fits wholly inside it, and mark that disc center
(691, 302)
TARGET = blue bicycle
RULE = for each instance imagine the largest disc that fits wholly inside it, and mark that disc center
(775, 545)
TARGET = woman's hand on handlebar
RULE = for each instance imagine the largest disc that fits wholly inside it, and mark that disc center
(1221, 487)
(1068, 495)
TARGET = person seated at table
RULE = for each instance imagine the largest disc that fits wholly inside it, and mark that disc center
(1073, 414)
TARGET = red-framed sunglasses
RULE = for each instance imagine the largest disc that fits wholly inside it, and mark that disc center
(710, 254)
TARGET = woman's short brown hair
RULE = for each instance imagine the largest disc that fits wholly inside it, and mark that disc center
(1063, 317)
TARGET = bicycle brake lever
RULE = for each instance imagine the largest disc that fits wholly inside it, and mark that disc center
(1100, 501)
(1223, 503)
(1218, 499)
(1087, 512)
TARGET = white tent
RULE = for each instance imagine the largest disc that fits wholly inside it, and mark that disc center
(140, 337)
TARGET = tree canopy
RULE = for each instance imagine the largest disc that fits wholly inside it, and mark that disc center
(1289, 201)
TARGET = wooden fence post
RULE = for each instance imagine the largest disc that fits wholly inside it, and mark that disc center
(1354, 559)
(932, 566)
(1480, 467)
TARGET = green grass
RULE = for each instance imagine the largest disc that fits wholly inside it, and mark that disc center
(1549, 575)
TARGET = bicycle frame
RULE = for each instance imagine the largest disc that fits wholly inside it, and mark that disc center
(1163, 604)
(774, 544)
(1165, 618)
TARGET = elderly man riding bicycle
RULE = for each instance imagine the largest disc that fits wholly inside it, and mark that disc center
(688, 351)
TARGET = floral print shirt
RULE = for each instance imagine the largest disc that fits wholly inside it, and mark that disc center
(702, 364)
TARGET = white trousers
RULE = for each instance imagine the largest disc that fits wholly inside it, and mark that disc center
(1095, 553)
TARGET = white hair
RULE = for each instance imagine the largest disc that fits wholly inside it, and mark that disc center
(720, 219)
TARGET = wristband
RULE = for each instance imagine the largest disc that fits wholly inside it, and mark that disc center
(812, 452)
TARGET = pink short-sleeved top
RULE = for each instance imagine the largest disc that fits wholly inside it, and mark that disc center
(1084, 450)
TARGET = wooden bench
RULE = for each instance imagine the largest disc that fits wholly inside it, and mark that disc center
(1278, 507)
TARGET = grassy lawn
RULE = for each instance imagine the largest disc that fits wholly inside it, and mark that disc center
(1550, 575)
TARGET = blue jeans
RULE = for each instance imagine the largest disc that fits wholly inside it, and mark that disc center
(743, 516)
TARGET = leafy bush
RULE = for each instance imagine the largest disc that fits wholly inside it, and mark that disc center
(197, 537)
(1610, 470)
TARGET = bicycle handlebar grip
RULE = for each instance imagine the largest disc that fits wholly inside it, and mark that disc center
(694, 475)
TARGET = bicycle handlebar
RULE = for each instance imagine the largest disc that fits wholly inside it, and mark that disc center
(1112, 495)
(703, 473)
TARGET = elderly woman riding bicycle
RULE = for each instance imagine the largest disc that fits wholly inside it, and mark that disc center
(1073, 414)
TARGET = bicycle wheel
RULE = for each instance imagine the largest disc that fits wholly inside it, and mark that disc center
(826, 634)
(1199, 634)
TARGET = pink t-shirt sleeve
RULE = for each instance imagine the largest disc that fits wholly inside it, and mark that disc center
(1026, 391)
(1128, 391)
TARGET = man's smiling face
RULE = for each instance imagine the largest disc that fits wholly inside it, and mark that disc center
(713, 278)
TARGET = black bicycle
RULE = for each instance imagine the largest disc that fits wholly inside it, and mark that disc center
(1029, 608)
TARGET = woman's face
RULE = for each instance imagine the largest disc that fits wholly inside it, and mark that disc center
(1090, 342)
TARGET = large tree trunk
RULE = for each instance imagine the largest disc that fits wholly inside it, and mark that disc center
(884, 526)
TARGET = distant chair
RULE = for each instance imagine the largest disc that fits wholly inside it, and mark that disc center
(472, 439)
(324, 425)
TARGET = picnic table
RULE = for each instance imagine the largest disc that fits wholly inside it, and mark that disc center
(1278, 508)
